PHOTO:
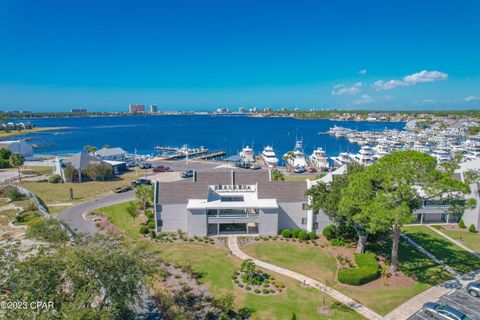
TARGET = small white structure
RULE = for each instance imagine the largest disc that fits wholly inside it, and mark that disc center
(18, 146)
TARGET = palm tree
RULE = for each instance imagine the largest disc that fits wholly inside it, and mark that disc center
(144, 193)
(17, 160)
(90, 149)
(288, 156)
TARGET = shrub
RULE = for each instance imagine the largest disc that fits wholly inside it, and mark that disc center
(265, 291)
(11, 193)
(302, 235)
(338, 242)
(461, 224)
(472, 229)
(295, 232)
(257, 291)
(48, 230)
(149, 214)
(312, 235)
(368, 270)
(330, 232)
(54, 178)
(151, 224)
(248, 288)
(286, 233)
(144, 230)
(153, 235)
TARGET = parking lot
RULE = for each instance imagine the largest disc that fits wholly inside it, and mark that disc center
(458, 299)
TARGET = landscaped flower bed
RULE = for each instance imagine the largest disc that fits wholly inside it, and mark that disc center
(254, 280)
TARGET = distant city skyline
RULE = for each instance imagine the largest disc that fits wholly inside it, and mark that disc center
(104, 56)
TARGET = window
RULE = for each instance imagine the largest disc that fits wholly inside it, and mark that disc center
(230, 199)
(305, 206)
(304, 221)
(159, 223)
(315, 226)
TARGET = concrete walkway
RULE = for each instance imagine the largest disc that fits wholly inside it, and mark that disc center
(367, 313)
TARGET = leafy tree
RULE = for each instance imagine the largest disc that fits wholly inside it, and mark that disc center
(95, 279)
(471, 176)
(98, 171)
(144, 193)
(70, 173)
(132, 210)
(277, 175)
(394, 181)
(327, 196)
(17, 160)
(473, 130)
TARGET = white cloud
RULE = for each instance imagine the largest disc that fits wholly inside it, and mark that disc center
(428, 101)
(471, 98)
(410, 80)
(362, 72)
(342, 90)
(387, 85)
(364, 99)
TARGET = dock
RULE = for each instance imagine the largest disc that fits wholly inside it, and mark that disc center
(213, 155)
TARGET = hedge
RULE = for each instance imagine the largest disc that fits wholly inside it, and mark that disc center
(151, 224)
(286, 233)
(330, 232)
(368, 270)
(143, 229)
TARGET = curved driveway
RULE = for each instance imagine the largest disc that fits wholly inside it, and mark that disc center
(73, 215)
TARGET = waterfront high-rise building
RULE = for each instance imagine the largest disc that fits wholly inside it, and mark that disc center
(153, 108)
(136, 108)
(79, 110)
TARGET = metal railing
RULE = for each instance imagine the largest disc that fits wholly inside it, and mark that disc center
(234, 188)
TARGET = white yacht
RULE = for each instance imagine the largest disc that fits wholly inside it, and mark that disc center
(319, 158)
(364, 156)
(269, 156)
(343, 158)
(247, 154)
(296, 158)
(381, 150)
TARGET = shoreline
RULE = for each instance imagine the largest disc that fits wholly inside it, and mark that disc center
(13, 133)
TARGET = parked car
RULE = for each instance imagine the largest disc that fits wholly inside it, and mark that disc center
(439, 311)
(255, 167)
(161, 169)
(122, 189)
(473, 289)
(312, 170)
(141, 181)
(187, 173)
(299, 169)
(145, 165)
(131, 164)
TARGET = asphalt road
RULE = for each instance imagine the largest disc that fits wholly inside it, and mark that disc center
(73, 215)
(458, 299)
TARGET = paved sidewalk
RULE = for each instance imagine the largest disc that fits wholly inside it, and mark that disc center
(360, 308)
(411, 306)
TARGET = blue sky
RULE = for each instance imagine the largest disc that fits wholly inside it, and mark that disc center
(103, 55)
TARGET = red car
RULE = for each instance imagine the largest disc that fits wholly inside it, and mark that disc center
(161, 169)
(311, 170)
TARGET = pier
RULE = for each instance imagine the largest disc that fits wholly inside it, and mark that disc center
(212, 155)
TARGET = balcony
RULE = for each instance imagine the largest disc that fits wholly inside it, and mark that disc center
(219, 188)
(232, 216)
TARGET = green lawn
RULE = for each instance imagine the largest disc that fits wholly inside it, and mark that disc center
(321, 265)
(454, 256)
(298, 257)
(118, 215)
(217, 266)
(468, 239)
(55, 193)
